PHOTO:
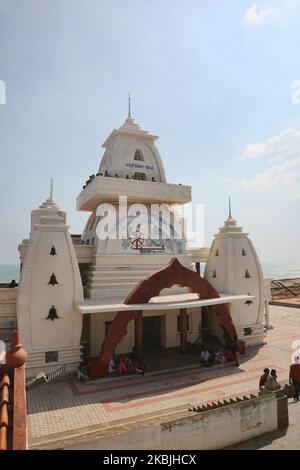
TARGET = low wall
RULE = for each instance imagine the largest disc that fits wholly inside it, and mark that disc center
(224, 424)
(8, 305)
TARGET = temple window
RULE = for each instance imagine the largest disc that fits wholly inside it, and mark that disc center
(244, 252)
(217, 252)
(106, 327)
(139, 176)
(247, 331)
(214, 273)
(51, 356)
(247, 274)
(138, 156)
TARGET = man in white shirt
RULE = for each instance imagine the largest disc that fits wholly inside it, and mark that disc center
(206, 358)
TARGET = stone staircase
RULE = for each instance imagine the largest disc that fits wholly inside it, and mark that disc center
(219, 404)
(122, 275)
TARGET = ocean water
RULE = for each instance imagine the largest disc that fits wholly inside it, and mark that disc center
(8, 272)
(284, 270)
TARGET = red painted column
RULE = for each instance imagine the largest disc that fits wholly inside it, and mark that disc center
(183, 330)
(138, 332)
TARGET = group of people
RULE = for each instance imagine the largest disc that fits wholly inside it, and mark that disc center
(268, 380)
(127, 365)
(130, 365)
(221, 356)
(208, 358)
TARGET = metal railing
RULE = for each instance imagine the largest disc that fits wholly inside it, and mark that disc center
(6, 334)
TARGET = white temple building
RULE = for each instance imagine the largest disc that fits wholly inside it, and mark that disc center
(74, 289)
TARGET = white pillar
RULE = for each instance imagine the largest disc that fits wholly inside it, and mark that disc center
(267, 316)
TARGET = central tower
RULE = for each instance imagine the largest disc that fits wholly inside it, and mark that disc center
(131, 167)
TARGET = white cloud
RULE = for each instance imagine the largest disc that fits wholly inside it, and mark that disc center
(282, 155)
(294, 194)
(279, 146)
(255, 17)
(272, 11)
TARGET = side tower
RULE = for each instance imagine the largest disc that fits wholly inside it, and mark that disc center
(50, 287)
(234, 268)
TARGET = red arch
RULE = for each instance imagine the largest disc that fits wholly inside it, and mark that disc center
(150, 287)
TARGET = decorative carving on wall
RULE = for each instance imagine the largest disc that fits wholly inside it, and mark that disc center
(52, 280)
(52, 315)
(53, 251)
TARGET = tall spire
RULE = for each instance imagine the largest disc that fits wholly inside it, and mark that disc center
(230, 221)
(51, 190)
(129, 105)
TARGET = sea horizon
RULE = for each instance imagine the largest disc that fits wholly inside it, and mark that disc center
(275, 270)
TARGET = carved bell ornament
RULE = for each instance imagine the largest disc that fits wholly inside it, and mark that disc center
(52, 315)
(53, 251)
(53, 280)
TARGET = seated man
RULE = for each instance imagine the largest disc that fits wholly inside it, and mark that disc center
(129, 363)
(265, 380)
(133, 355)
(206, 358)
(275, 384)
(83, 373)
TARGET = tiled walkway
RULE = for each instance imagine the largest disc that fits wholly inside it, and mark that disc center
(69, 405)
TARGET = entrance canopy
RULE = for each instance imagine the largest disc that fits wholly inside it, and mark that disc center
(168, 302)
(139, 300)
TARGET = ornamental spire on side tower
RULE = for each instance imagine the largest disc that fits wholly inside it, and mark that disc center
(129, 105)
(51, 190)
(50, 201)
(230, 221)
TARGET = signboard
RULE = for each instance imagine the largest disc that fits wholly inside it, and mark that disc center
(139, 166)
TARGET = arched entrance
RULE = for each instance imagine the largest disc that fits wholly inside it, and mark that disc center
(173, 274)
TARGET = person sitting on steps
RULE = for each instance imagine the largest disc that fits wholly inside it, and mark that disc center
(206, 358)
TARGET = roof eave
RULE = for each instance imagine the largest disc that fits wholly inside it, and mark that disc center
(138, 134)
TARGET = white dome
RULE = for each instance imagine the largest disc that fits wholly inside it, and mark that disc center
(131, 153)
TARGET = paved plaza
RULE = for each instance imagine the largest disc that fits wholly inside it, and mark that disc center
(68, 407)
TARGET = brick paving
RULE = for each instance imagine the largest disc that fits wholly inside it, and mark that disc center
(68, 405)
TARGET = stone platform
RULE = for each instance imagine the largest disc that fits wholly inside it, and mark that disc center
(58, 411)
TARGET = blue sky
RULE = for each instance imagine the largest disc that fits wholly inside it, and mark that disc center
(212, 78)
